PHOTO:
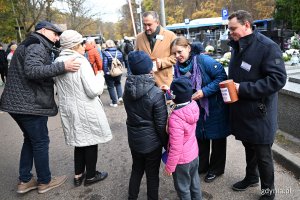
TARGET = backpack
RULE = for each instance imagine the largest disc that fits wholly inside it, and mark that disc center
(128, 47)
(116, 67)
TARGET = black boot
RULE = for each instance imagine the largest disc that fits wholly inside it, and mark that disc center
(244, 184)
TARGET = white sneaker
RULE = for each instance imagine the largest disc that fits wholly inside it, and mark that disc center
(113, 105)
(120, 100)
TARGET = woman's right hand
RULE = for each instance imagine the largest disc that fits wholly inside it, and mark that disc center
(198, 95)
(100, 72)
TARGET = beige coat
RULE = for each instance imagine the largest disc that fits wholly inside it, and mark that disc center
(161, 50)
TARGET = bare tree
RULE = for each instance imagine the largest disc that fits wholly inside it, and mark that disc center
(79, 15)
(29, 12)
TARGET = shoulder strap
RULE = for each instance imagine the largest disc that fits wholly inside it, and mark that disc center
(110, 54)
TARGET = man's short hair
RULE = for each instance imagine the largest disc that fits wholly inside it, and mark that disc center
(153, 14)
(242, 16)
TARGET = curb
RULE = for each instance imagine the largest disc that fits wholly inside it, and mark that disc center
(287, 160)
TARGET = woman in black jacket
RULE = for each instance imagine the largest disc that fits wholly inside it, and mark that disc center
(146, 124)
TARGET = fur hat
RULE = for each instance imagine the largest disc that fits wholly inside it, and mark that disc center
(139, 62)
(69, 39)
(181, 89)
(49, 26)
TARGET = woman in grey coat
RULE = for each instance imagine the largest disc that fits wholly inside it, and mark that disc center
(84, 121)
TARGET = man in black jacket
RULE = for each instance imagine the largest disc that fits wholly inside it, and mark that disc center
(257, 68)
(28, 97)
(146, 124)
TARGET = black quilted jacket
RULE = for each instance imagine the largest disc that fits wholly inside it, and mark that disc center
(146, 114)
(29, 87)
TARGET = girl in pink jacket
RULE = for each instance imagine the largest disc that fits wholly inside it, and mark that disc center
(183, 160)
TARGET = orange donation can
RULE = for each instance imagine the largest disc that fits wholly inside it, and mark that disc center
(228, 91)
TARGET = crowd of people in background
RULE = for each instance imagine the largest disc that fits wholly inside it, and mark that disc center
(171, 96)
(5, 58)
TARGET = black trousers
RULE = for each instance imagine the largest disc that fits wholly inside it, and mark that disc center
(215, 161)
(259, 159)
(3, 72)
(86, 158)
(149, 163)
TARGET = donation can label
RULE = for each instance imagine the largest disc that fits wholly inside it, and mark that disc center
(225, 94)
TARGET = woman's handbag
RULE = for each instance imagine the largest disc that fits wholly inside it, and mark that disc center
(116, 68)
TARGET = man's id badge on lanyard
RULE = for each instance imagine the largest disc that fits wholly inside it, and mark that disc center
(159, 37)
(245, 66)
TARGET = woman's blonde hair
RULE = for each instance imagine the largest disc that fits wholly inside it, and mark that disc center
(180, 41)
(110, 44)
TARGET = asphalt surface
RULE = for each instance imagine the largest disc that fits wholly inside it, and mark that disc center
(114, 157)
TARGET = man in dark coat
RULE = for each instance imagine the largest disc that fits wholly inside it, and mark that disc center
(258, 70)
(28, 97)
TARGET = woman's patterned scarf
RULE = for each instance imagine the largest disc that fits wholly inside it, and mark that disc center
(195, 76)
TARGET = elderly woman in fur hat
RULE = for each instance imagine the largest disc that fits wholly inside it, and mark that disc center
(83, 119)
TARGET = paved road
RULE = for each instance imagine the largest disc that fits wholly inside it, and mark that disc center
(115, 158)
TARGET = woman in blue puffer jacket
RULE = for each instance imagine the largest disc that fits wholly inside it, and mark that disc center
(112, 82)
(212, 127)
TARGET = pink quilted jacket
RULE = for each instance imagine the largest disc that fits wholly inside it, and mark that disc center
(182, 130)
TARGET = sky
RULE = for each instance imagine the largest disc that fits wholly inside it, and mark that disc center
(109, 9)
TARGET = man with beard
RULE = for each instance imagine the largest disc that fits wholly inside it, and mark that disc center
(156, 41)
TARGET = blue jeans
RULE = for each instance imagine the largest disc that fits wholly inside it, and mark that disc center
(35, 147)
(187, 181)
(112, 83)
